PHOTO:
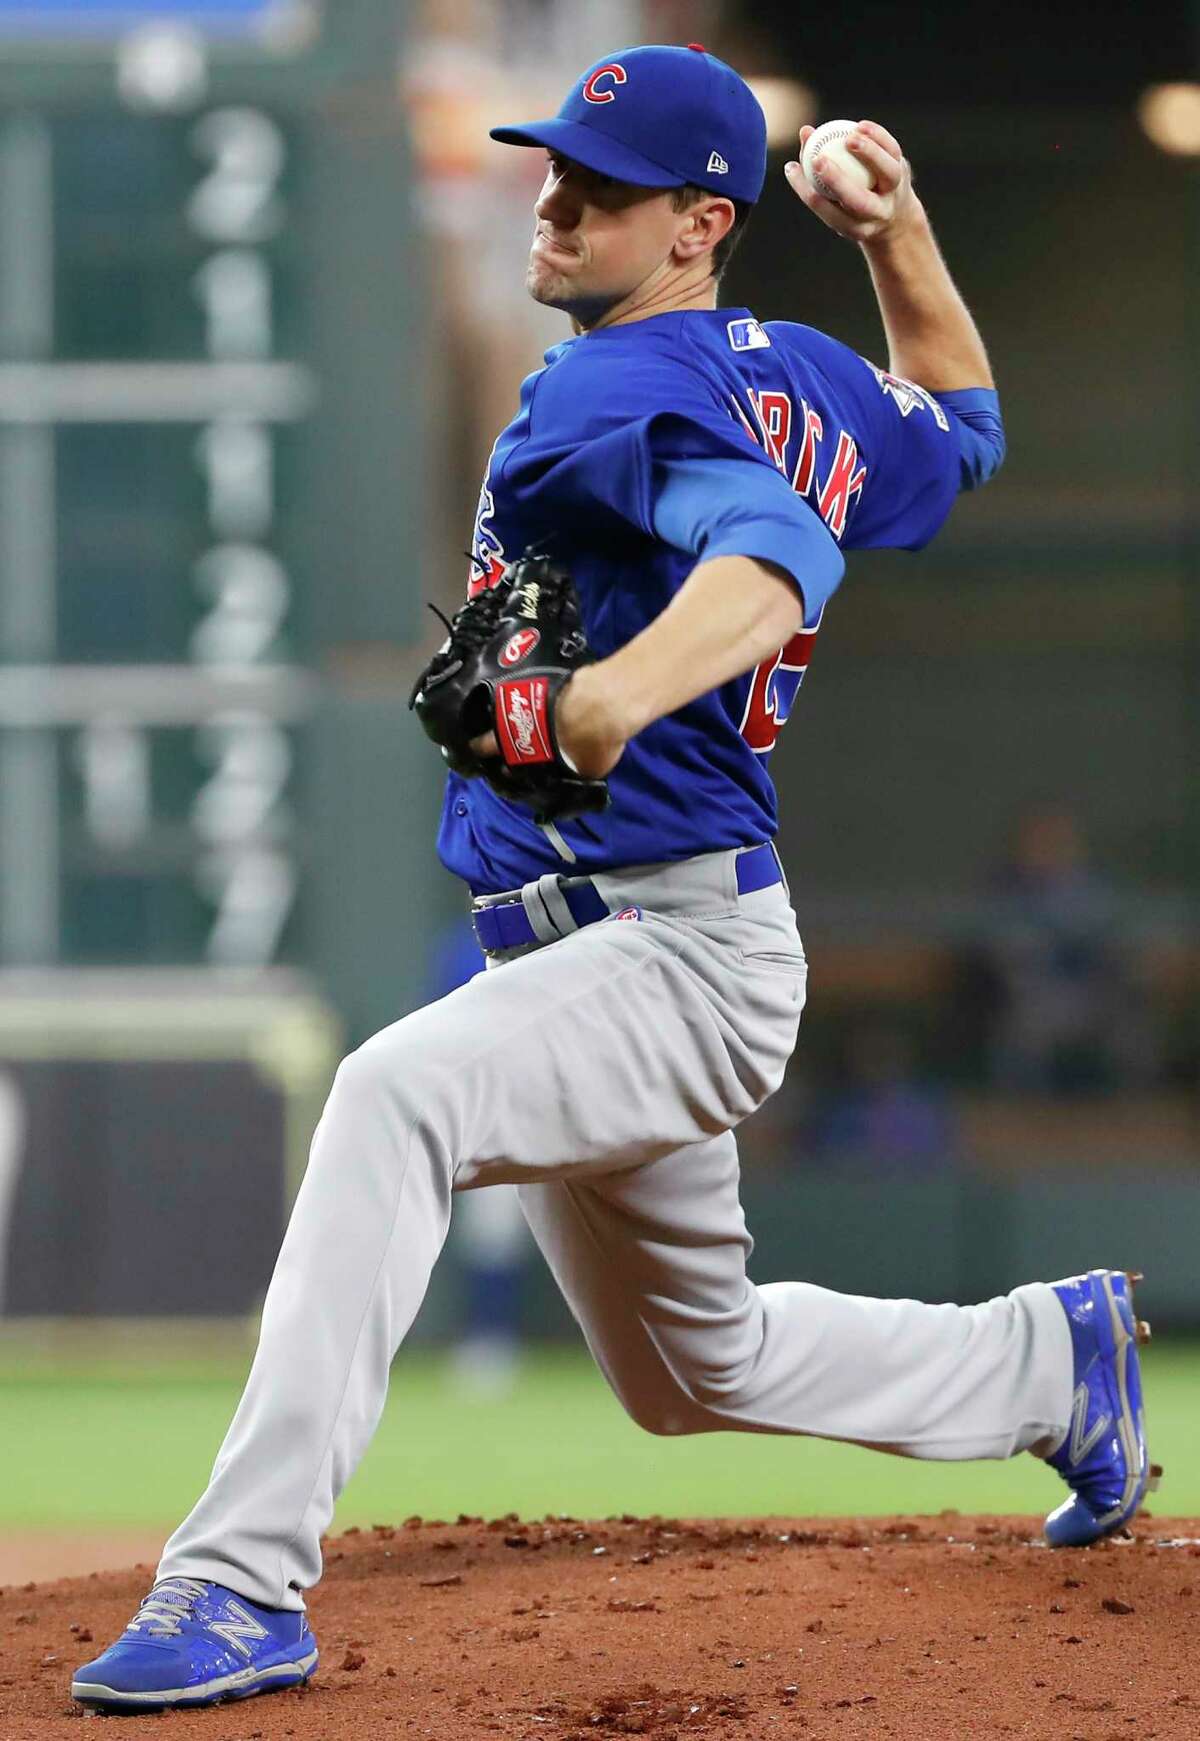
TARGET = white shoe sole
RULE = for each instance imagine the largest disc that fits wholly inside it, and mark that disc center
(240, 1685)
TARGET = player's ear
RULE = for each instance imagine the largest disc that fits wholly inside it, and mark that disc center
(705, 224)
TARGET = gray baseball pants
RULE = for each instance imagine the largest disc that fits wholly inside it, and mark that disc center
(604, 1073)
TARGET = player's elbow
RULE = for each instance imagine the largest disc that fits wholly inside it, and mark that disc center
(987, 456)
(979, 430)
(783, 605)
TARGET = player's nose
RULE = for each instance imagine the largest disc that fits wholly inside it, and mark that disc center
(559, 202)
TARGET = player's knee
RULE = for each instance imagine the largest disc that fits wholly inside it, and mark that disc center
(720, 1392)
(664, 1410)
(388, 1077)
(697, 1401)
(363, 1077)
(662, 1418)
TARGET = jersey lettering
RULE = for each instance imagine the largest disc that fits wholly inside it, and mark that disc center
(775, 683)
(842, 485)
(745, 422)
(833, 499)
(773, 690)
(806, 461)
(488, 560)
(774, 413)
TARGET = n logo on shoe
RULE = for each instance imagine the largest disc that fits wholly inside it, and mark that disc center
(243, 1626)
(1081, 1442)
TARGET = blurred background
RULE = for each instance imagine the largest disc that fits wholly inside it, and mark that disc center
(261, 317)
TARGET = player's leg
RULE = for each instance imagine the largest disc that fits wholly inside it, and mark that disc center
(653, 1266)
(616, 1045)
(653, 1262)
(492, 1246)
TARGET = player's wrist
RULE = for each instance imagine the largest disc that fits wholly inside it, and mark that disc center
(911, 224)
(590, 722)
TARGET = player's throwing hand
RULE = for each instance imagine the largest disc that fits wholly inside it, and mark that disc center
(860, 213)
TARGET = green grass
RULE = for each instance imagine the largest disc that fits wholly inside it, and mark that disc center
(114, 1449)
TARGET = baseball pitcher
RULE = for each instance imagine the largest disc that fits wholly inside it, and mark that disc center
(658, 534)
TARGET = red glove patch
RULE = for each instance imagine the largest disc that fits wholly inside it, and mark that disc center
(522, 721)
(518, 647)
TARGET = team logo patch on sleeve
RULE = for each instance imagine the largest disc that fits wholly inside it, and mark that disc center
(909, 397)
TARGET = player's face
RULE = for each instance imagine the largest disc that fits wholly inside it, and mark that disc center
(596, 240)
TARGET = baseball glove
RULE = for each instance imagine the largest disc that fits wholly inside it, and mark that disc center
(509, 654)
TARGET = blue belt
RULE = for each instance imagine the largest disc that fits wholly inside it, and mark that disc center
(505, 924)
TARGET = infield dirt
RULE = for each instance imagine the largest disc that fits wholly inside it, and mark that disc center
(933, 1629)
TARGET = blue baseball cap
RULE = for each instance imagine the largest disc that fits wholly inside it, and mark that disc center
(660, 117)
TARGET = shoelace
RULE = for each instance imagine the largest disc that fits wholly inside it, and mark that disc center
(166, 1606)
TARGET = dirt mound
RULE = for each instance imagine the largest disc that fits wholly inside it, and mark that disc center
(944, 1629)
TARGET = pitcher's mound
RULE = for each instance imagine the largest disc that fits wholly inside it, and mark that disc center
(930, 1629)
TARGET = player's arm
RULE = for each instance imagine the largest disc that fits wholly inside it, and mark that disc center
(932, 338)
(731, 613)
(767, 564)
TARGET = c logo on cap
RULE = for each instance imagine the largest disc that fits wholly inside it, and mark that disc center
(592, 92)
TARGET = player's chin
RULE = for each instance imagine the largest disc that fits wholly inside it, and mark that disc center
(547, 286)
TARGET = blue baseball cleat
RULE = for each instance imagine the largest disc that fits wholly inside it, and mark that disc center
(1103, 1457)
(192, 1643)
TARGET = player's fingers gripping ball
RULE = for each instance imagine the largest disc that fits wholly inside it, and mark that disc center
(509, 654)
(829, 143)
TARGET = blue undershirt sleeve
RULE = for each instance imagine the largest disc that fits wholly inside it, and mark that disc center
(729, 507)
(976, 422)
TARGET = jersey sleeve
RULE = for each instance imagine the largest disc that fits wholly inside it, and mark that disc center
(602, 428)
(922, 448)
(915, 474)
(979, 428)
(657, 451)
(730, 507)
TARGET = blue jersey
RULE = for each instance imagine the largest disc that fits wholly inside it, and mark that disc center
(639, 450)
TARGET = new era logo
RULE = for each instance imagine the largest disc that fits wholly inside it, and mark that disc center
(717, 164)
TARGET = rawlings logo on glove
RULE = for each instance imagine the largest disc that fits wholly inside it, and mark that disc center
(531, 620)
(519, 647)
(522, 729)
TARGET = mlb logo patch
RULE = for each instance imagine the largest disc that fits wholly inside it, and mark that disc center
(747, 335)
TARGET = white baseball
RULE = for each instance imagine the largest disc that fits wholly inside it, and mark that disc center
(829, 141)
